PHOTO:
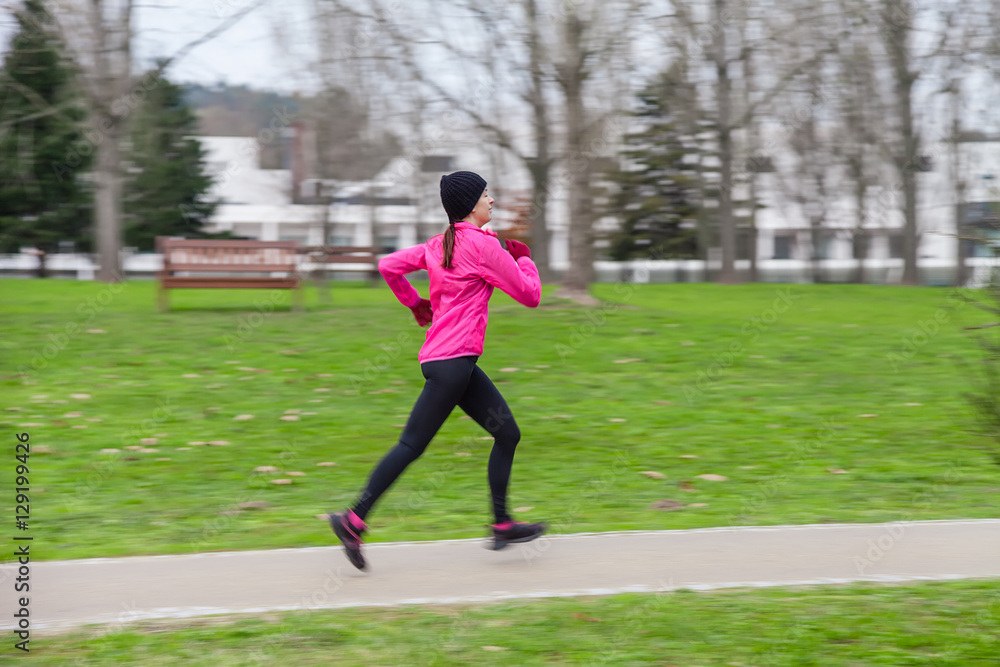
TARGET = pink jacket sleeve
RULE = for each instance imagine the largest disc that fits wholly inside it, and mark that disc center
(394, 266)
(519, 279)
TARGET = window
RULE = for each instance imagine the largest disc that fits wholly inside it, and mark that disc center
(895, 246)
(340, 239)
(783, 246)
(859, 243)
(387, 244)
(437, 163)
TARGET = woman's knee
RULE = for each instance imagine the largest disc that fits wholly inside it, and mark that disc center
(509, 435)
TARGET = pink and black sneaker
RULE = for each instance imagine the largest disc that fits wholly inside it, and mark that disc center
(348, 527)
(511, 532)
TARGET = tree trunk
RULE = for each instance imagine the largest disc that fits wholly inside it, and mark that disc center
(581, 262)
(727, 229)
(861, 239)
(540, 165)
(961, 274)
(898, 23)
(107, 202)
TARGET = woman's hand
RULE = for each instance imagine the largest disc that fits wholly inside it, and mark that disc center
(422, 312)
(518, 249)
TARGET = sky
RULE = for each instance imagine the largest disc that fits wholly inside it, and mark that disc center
(247, 53)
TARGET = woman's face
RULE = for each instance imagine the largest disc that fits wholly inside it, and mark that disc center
(483, 212)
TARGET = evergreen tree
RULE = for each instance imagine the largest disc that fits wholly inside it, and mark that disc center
(656, 191)
(167, 185)
(42, 200)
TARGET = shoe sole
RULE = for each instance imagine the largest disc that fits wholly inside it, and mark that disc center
(353, 555)
(502, 544)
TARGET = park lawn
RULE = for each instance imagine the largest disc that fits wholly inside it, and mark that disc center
(816, 403)
(953, 623)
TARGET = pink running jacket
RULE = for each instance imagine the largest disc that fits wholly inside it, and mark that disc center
(460, 295)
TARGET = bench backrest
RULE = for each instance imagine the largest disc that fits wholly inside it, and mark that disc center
(225, 255)
(340, 254)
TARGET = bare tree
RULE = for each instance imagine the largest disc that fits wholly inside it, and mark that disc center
(99, 35)
(717, 30)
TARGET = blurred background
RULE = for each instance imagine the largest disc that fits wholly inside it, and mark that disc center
(693, 140)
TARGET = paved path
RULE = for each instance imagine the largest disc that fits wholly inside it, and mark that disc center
(65, 594)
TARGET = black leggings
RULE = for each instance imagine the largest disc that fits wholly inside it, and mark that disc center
(451, 382)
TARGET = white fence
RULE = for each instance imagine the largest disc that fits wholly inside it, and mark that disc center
(877, 271)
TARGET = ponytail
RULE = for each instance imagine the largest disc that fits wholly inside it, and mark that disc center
(449, 245)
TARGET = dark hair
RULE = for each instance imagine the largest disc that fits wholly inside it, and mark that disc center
(449, 245)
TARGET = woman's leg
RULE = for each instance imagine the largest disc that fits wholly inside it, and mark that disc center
(482, 401)
(446, 382)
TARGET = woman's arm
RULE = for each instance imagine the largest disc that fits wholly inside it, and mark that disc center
(394, 266)
(518, 278)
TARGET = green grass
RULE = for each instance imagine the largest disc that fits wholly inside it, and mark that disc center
(774, 417)
(930, 624)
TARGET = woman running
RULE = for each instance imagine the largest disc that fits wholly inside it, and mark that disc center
(465, 264)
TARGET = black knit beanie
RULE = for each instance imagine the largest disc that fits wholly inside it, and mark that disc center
(460, 192)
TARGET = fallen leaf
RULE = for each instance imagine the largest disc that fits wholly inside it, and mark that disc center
(667, 505)
(290, 370)
(41, 449)
(13, 409)
(868, 415)
(617, 421)
(253, 505)
(148, 450)
(242, 418)
(589, 619)
(197, 443)
(698, 505)
(230, 512)
(494, 648)
(184, 449)
(686, 486)
(653, 474)
(509, 370)
(148, 441)
(321, 389)
(323, 517)
(326, 464)
(265, 469)
(914, 404)
(714, 478)
(80, 397)
(191, 375)
(462, 454)
(110, 450)
(96, 331)
(80, 426)
(626, 361)
(520, 510)
(290, 418)
(295, 473)
(664, 402)
(133, 448)
(687, 343)
(163, 459)
(688, 456)
(281, 481)
(218, 443)
(837, 471)
(292, 412)
(94, 419)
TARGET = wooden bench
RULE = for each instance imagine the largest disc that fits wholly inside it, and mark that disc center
(344, 258)
(227, 263)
